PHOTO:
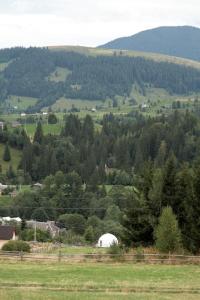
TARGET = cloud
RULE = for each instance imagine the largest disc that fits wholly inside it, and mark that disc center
(87, 22)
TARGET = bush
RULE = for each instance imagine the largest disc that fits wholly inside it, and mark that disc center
(52, 119)
(116, 251)
(16, 246)
(139, 254)
(74, 222)
(73, 239)
(41, 236)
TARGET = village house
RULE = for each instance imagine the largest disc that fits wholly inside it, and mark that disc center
(49, 226)
(2, 188)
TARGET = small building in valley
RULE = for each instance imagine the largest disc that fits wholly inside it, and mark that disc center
(49, 226)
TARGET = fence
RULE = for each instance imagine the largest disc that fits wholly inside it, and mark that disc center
(134, 258)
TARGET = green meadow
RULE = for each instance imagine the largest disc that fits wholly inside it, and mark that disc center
(97, 281)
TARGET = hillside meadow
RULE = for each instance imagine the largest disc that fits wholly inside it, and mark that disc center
(98, 281)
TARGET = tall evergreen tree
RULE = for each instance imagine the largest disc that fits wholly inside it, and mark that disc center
(168, 234)
(169, 184)
(137, 228)
(7, 155)
(38, 137)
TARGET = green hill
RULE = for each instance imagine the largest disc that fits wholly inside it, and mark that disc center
(34, 78)
(181, 41)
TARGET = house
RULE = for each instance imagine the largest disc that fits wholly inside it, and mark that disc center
(15, 124)
(37, 186)
(107, 240)
(49, 226)
(10, 188)
(3, 187)
(6, 220)
(7, 233)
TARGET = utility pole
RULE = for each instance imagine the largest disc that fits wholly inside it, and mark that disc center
(35, 232)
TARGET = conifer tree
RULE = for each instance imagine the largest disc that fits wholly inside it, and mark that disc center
(6, 155)
(169, 178)
(137, 229)
(38, 137)
(167, 233)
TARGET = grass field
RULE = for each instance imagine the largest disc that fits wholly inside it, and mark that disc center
(64, 103)
(59, 75)
(3, 66)
(21, 103)
(81, 250)
(5, 201)
(47, 128)
(97, 281)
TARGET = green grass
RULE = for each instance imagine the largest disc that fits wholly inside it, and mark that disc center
(5, 201)
(22, 103)
(59, 75)
(54, 129)
(3, 66)
(34, 294)
(98, 281)
(15, 158)
(81, 250)
(64, 103)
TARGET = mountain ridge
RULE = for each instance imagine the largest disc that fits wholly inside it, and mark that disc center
(179, 41)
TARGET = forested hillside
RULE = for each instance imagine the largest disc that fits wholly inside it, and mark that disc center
(181, 41)
(48, 75)
(147, 164)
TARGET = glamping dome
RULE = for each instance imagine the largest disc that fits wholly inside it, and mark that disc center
(106, 240)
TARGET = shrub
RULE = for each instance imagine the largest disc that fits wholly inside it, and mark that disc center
(16, 246)
(116, 251)
(74, 222)
(41, 236)
(73, 239)
(139, 254)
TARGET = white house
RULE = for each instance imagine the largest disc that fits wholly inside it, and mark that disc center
(107, 240)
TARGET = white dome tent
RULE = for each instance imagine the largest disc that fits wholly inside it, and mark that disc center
(107, 240)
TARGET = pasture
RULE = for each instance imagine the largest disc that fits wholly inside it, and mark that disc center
(25, 280)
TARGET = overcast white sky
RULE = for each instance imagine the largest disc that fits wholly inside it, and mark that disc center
(87, 22)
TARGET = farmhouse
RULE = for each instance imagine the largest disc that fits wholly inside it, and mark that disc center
(15, 124)
(107, 240)
(45, 226)
(3, 187)
(7, 233)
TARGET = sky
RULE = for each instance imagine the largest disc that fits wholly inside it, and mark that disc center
(87, 22)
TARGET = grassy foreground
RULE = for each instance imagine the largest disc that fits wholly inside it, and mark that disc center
(98, 281)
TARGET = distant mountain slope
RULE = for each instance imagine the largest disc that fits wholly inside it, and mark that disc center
(48, 75)
(181, 41)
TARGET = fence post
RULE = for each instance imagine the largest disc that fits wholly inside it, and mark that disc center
(21, 255)
(59, 256)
